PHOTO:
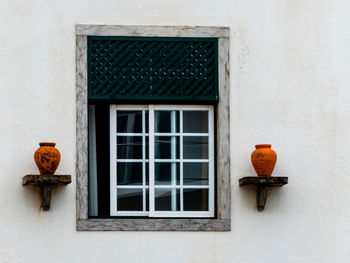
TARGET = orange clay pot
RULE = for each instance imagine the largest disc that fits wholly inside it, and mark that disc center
(47, 158)
(264, 159)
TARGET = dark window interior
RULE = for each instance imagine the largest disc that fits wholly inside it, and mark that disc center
(102, 157)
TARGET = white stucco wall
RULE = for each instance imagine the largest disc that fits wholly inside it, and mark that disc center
(289, 84)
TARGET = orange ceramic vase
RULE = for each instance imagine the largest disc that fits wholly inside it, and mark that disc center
(264, 159)
(47, 158)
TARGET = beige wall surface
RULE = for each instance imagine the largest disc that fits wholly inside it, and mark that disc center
(289, 70)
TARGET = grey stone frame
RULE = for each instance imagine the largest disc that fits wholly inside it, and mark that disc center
(222, 222)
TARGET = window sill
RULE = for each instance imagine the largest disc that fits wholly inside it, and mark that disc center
(153, 225)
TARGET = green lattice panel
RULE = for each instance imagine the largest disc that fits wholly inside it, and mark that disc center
(175, 69)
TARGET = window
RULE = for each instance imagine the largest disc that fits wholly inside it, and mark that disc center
(162, 161)
(156, 166)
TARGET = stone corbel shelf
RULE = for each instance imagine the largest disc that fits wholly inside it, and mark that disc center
(46, 183)
(262, 183)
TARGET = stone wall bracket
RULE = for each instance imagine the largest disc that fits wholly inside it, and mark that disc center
(261, 184)
(46, 182)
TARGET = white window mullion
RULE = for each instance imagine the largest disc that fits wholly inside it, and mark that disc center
(151, 160)
(176, 186)
(173, 156)
(130, 186)
(178, 160)
(211, 171)
(181, 163)
(143, 161)
(180, 214)
(169, 134)
(113, 158)
(131, 213)
(130, 160)
(130, 134)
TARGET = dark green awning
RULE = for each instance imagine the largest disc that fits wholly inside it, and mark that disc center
(153, 69)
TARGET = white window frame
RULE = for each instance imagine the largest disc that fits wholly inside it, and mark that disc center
(151, 134)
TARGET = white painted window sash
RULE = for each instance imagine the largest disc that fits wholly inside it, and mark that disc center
(113, 161)
(151, 187)
(211, 199)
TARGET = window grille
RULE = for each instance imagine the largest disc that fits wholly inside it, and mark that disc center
(153, 69)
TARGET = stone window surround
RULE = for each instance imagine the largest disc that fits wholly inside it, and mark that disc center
(222, 222)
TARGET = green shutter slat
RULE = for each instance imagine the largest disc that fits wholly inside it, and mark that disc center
(152, 69)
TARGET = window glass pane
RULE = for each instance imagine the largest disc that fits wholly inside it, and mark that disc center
(129, 147)
(147, 147)
(195, 121)
(129, 199)
(129, 173)
(195, 173)
(147, 174)
(195, 147)
(129, 121)
(166, 147)
(147, 200)
(146, 121)
(167, 199)
(166, 121)
(167, 173)
(195, 199)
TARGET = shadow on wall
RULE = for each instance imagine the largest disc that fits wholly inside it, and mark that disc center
(273, 202)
